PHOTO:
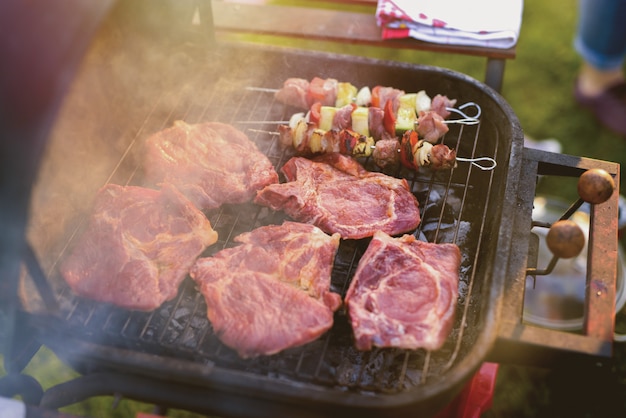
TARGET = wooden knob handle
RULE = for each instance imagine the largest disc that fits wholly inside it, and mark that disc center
(565, 239)
(595, 185)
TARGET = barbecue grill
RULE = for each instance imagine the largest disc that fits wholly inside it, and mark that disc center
(171, 356)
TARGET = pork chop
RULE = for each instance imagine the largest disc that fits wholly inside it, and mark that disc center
(404, 293)
(138, 246)
(335, 193)
(272, 292)
(211, 163)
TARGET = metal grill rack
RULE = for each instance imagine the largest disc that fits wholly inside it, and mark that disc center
(453, 209)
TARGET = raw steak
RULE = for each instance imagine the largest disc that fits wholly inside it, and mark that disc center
(138, 246)
(335, 193)
(404, 293)
(211, 163)
(272, 292)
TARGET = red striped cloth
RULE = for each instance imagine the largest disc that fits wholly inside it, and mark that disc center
(488, 23)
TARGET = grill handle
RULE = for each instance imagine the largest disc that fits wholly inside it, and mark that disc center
(523, 343)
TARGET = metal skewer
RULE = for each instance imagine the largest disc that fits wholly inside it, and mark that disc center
(263, 89)
(465, 118)
(476, 162)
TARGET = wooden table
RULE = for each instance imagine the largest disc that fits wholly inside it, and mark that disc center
(312, 22)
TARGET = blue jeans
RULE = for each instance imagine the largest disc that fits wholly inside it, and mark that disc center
(601, 35)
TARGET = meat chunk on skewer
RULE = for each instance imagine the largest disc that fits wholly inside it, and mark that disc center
(440, 105)
(386, 152)
(431, 126)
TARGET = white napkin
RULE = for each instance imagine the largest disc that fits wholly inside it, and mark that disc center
(487, 23)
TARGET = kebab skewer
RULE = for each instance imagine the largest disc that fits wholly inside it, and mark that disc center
(410, 151)
(404, 127)
(379, 123)
(301, 93)
(382, 112)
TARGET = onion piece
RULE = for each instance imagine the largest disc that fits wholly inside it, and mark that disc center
(422, 102)
(421, 153)
(364, 97)
(295, 118)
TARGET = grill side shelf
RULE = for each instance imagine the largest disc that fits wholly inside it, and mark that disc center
(522, 343)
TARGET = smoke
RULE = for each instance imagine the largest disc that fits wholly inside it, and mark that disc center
(134, 80)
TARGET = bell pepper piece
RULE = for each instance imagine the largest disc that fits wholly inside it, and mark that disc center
(408, 141)
(389, 119)
(376, 96)
(315, 113)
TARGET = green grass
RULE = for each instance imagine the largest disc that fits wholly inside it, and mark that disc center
(538, 85)
(50, 371)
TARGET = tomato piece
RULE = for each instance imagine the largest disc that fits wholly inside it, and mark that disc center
(315, 113)
(389, 119)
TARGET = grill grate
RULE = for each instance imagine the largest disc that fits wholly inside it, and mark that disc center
(454, 208)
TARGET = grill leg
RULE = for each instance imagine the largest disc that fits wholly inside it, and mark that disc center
(495, 73)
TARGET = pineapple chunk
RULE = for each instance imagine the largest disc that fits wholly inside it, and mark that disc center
(346, 94)
(315, 141)
(364, 147)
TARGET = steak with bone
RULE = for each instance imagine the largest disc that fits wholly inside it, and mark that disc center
(211, 163)
(272, 292)
(138, 246)
(335, 193)
(404, 293)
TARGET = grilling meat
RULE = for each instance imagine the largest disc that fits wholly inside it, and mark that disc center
(416, 153)
(404, 293)
(138, 246)
(440, 105)
(273, 291)
(302, 93)
(335, 193)
(386, 153)
(295, 92)
(431, 126)
(211, 163)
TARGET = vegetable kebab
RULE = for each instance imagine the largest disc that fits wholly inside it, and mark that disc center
(384, 123)
(411, 151)
(380, 113)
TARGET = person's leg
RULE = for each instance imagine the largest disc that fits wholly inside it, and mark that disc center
(601, 34)
(601, 42)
